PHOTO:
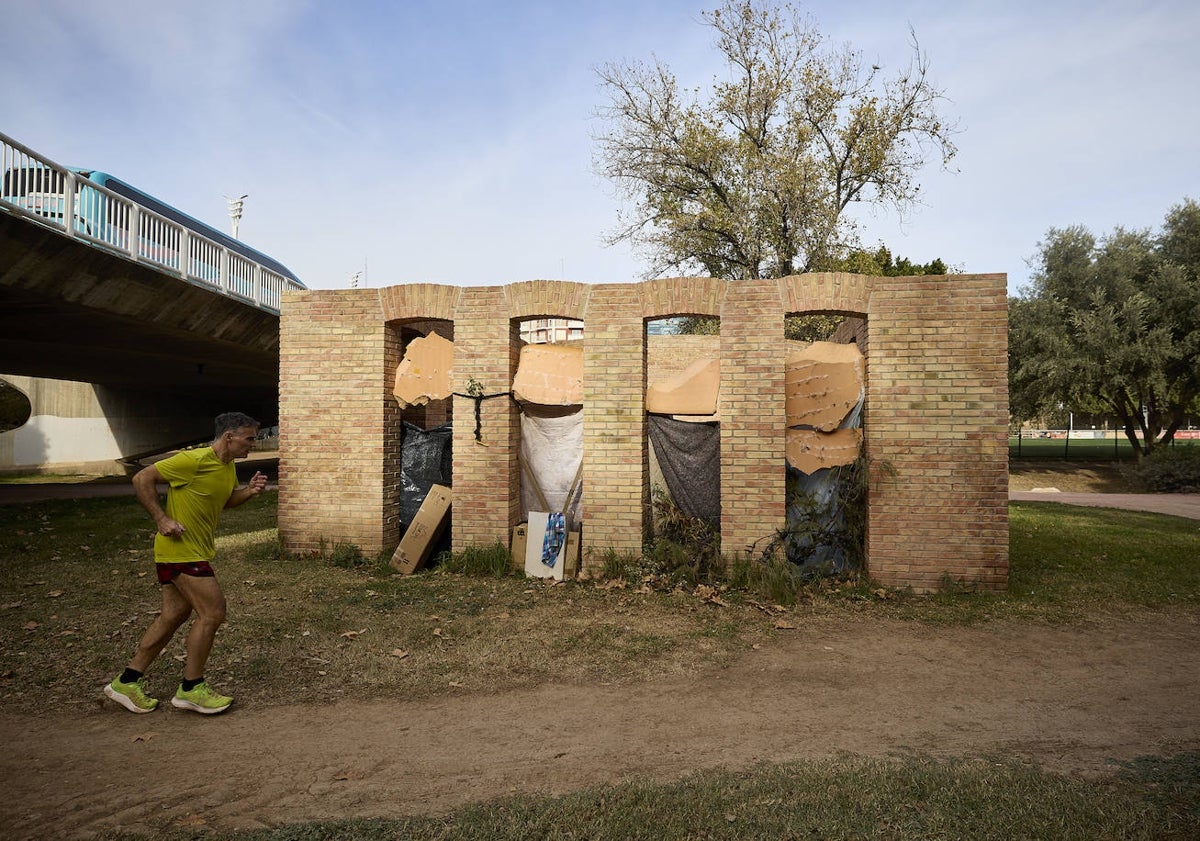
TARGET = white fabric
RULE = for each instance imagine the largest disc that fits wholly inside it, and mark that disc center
(552, 449)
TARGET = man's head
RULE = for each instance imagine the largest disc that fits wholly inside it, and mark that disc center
(235, 435)
(233, 421)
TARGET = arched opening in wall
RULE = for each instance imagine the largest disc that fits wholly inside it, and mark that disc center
(423, 390)
(683, 376)
(826, 469)
(22, 445)
(547, 385)
(15, 408)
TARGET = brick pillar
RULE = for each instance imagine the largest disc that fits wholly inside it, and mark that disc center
(615, 465)
(937, 415)
(752, 415)
(335, 362)
(485, 470)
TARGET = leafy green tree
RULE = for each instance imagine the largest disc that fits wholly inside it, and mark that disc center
(1113, 323)
(752, 178)
(819, 326)
(881, 264)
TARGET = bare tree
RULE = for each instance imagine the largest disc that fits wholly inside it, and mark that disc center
(752, 178)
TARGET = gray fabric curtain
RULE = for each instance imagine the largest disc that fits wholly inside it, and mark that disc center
(689, 455)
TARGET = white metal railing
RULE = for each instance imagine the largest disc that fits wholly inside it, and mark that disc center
(37, 188)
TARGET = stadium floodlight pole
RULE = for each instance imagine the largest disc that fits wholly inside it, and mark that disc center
(235, 211)
(354, 280)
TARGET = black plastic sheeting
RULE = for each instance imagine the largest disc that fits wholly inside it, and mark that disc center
(689, 455)
(817, 539)
(426, 459)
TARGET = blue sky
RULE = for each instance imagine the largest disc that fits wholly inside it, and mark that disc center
(451, 142)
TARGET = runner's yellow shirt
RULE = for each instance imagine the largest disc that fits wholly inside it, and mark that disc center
(200, 485)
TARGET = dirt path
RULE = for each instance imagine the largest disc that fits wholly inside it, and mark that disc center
(1068, 699)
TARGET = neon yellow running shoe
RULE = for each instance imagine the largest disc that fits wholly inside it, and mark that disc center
(201, 699)
(131, 696)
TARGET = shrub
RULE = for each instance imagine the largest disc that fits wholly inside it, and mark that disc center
(685, 549)
(1174, 469)
(347, 556)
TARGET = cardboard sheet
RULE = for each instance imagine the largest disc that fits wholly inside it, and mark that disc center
(693, 392)
(551, 375)
(809, 450)
(426, 372)
(822, 384)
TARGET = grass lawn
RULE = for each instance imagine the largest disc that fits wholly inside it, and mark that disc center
(77, 590)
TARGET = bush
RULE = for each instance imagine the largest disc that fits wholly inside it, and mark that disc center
(347, 556)
(685, 549)
(1174, 469)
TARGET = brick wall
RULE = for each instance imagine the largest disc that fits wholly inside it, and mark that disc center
(337, 419)
(937, 414)
(935, 430)
(668, 356)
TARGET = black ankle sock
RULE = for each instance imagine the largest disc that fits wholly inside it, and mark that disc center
(130, 676)
(189, 685)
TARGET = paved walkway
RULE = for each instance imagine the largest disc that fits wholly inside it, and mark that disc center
(1178, 505)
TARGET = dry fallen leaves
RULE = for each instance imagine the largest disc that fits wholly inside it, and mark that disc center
(352, 634)
(399, 653)
(709, 594)
(143, 737)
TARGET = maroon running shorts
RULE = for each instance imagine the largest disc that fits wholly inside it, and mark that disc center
(168, 572)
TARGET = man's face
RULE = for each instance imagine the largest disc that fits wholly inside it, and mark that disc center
(241, 441)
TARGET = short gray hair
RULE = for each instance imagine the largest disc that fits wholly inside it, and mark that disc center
(233, 421)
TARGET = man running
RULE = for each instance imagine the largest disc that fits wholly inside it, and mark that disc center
(202, 483)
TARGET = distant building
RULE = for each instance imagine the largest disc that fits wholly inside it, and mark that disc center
(542, 331)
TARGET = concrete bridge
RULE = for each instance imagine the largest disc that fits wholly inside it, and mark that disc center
(121, 335)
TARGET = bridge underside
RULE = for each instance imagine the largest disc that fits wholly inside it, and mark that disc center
(71, 311)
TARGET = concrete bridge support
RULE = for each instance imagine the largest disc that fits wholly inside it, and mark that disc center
(81, 427)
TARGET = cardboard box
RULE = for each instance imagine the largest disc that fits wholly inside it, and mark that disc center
(571, 564)
(418, 542)
(520, 538)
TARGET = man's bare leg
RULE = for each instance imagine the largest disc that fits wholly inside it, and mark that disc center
(175, 611)
(204, 595)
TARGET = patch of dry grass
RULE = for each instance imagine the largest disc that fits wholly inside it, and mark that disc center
(77, 590)
(1069, 477)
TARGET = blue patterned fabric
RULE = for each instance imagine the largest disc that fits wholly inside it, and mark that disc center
(556, 528)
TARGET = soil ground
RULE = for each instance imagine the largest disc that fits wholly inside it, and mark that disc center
(1073, 699)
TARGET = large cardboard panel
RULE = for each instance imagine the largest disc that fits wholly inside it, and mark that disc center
(808, 450)
(550, 374)
(534, 567)
(822, 383)
(417, 544)
(693, 392)
(426, 372)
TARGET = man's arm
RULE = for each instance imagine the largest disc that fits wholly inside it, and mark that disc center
(253, 488)
(145, 485)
